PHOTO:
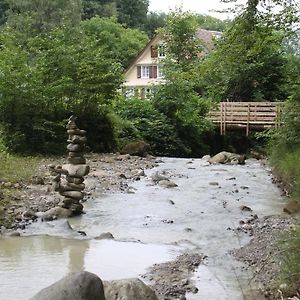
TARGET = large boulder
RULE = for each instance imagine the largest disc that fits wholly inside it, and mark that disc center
(75, 286)
(55, 212)
(227, 158)
(292, 207)
(138, 148)
(128, 289)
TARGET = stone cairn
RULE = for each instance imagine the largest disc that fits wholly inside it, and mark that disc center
(71, 185)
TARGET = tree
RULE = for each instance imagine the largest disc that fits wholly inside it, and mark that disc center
(249, 62)
(39, 16)
(4, 6)
(211, 23)
(154, 21)
(132, 13)
(101, 8)
(120, 43)
(64, 72)
(178, 98)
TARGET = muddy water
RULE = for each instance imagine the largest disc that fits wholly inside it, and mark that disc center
(152, 225)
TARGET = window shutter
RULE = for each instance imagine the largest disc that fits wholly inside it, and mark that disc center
(138, 71)
(154, 71)
(150, 71)
(154, 51)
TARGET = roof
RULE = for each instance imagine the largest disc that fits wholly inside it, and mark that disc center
(207, 36)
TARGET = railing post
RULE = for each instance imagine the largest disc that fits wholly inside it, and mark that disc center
(248, 120)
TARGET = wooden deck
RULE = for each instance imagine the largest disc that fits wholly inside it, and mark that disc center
(248, 115)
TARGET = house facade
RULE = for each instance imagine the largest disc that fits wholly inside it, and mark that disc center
(145, 71)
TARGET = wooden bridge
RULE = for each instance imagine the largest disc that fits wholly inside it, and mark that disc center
(248, 115)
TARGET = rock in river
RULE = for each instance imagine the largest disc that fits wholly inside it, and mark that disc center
(128, 289)
(76, 286)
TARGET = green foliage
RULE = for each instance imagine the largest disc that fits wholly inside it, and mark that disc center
(247, 65)
(290, 266)
(154, 22)
(137, 119)
(132, 13)
(39, 16)
(101, 8)
(4, 6)
(178, 98)
(285, 144)
(64, 72)
(211, 23)
(121, 44)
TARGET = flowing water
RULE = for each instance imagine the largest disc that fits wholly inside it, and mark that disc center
(153, 225)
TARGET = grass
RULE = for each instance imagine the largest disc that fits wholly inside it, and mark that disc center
(13, 169)
(286, 164)
(290, 263)
(17, 168)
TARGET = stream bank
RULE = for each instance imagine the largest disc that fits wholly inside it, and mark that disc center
(210, 212)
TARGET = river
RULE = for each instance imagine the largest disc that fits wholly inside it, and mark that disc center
(152, 225)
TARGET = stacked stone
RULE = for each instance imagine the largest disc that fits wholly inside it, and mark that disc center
(72, 186)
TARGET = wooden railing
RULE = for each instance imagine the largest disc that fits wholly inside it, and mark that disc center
(249, 115)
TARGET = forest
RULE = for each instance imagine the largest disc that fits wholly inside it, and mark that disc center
(59, 58)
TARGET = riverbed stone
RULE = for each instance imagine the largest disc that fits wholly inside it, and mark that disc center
(105, 236)
(76, 170)
(75, 147)
(57, 212)
(76, 187)
(76, 180)
(76, 208)
(76, 160)
(75, 286)
(73, 194)
(76, 132)
(128, 289)
(292, 207)
(77, 139)
(167, 183)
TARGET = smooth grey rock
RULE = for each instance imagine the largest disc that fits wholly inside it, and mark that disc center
(76, 170)
(75, 147)
(227, 158)
(76, 132)
(167, 183)
(105, 236)
(75, 154)
(76, 286)
(73, 194)
(77, 139)
(75, 180)
(128, 289)
(76, 187)
(76, 160)
(76, 208)
(156, 177)
(57, 212)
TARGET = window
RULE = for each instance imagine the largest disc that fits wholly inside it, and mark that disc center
(145, 72)
(160, 72)
(129, 92)
(161, 51)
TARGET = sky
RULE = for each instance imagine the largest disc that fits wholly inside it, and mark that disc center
(196, 6)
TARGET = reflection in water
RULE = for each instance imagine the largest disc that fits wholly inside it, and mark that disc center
(38, 261)
(77, 255)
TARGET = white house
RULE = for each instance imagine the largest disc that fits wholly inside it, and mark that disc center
(145, 70)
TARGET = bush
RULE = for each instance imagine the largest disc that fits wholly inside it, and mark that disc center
(137, 119)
